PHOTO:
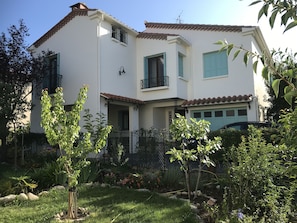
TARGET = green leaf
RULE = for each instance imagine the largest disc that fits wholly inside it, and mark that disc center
(284, 19)
(255, 65)
(255, 2)
(265, 73)
(230, 47)
(246, 58)
(236, 54)
(220, 42)
(288, 98)
(291, 25)
(275, 86)
(289, 73)
(287, 89)
(263, 10)
(272, 18)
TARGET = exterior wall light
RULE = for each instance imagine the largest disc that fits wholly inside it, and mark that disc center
(122, 70)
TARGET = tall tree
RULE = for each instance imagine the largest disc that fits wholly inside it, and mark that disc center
(18, 70)
(62, 129)
(280, 66)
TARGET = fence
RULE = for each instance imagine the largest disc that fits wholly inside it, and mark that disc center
(144, 148)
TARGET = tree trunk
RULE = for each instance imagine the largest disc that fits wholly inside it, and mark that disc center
(72, 203)
(198, 178)
(3, 149)
(188, 182)
(15, 152)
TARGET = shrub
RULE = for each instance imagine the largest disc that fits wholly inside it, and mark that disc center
(48, 175)
(258, 184)
(172, 178)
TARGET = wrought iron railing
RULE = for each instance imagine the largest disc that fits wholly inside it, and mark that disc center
(154, 82)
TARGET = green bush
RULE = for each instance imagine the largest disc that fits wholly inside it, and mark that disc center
(172, 178)
(6, 187)
(48, 175)
(90, 173)
(257, 180)
(232, 137)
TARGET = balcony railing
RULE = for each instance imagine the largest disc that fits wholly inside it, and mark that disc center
(154, 82)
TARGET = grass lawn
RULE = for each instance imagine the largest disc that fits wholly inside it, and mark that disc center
(105, 205)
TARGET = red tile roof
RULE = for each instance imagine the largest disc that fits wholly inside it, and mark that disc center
(121, 98)
(158, 36)
(223, 28)
(217, 100)
(61, 24)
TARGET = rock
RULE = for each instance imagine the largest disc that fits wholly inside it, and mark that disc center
(143, 190)
(211, 201)
(8, 198)
(32, 197)
(173, 197)
(42, 193)
(22, 197)
(184, 193)
(58, 187)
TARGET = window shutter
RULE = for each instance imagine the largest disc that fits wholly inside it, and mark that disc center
(45, 81)
(164, 65)
(145, 80)
(58, 84)
(180, 65)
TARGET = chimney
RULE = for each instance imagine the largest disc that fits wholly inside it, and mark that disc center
(78, 6)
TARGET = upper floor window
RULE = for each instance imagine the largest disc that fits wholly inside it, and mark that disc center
(154, 71)
(52, 78)
(119, 34)
(215, 64)
(180, 65)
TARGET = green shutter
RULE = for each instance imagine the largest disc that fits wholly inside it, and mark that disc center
(46, 80)
(180, 65)
(58, 84)
(165, 68)
(145, 80)
(215, 64)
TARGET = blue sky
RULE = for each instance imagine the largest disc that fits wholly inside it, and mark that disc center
(40, 15)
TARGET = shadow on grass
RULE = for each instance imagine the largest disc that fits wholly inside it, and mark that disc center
(125, 205)
(106, 205)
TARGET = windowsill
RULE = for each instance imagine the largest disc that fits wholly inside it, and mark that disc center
(217, 77)
(154, 88)
(123, 43)
(118, 41)
(115, 40)
(182, 78)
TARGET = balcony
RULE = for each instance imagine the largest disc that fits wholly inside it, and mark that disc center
(154, 82)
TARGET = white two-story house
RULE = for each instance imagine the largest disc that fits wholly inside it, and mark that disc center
(141, 79)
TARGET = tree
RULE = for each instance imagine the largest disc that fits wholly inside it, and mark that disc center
(278, 104)
(18, 69)
(279, 66)
(194, 146)
(62, 129)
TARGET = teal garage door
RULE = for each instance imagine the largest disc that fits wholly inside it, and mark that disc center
(220, 117)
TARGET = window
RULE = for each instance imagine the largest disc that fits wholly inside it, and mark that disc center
(207, 114)
(154, 72)
(197, 114)
(124, 120)
(215, 64)
(119, 34)
(230, 113)
(180, 65)
(242, 112)
(52, 78)
(218, 113)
